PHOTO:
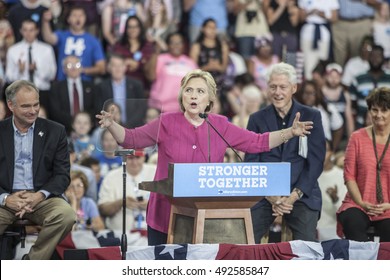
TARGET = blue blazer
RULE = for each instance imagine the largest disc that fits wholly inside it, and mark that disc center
(304, 171)
(50, 164)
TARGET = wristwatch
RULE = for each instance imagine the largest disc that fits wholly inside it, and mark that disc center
(299, 192)
(4, 200)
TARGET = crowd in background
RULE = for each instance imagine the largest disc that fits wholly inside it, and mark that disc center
(87, 55)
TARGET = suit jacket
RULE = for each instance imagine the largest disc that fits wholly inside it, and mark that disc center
(136, 103)
(51, 164)
(60, 107)
(304, 171)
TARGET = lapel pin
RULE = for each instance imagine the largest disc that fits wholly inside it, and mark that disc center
(40, 133)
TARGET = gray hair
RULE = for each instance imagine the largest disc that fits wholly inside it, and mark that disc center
(13, 88)
(283, 69)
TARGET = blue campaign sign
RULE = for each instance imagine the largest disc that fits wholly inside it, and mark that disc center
(231, 179)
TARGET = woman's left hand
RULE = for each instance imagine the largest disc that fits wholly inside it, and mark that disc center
(301, 128)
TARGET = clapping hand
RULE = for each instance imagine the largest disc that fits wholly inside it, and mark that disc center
(301, 128)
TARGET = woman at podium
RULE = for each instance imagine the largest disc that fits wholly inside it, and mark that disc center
(192, 136)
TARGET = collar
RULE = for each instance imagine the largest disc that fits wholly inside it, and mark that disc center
(18, 131)
(288, 115)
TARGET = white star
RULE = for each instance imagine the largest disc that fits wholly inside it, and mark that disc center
(170, 249)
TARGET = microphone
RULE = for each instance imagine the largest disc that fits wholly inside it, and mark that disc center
(205, 117)
(124, 152)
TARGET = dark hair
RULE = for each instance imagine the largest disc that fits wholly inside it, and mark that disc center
(115, 55)
(244, 79)
(141, 37)
(29, 20)
(74, 8)
(368, 39)
(319, 96)
(89, 162)
(170, 35)
(201, 34)
(379, 97)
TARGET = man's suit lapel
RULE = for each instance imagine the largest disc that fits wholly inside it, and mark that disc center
(270, 119)
(271, 122)
(40, 134)
(9, 149)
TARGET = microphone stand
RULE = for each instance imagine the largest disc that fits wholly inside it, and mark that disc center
(205, 117)
(124, 154)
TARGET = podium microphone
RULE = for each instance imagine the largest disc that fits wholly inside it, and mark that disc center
(124, 152)
(205, 117)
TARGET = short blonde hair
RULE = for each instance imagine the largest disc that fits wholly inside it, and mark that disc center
(211, 87)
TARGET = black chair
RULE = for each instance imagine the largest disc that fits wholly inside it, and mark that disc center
(372, 234)
(15, 233)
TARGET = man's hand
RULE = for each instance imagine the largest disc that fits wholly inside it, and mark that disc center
(132, 203)
(24, 202)
(282, 205)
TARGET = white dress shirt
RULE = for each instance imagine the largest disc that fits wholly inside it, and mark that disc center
(44, 58)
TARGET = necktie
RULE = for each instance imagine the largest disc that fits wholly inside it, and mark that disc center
(379, 193)
(76, 101)
(30, 71)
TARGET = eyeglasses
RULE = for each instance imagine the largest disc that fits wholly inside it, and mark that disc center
(77, 186)
(73, 65)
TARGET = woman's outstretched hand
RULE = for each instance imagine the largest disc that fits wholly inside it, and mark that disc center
(105, 119)
(301, 128)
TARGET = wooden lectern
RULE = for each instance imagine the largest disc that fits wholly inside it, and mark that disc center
(217, 219)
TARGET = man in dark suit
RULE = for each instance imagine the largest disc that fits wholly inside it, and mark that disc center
(72, 95)
(34, 170)
(126, 92)
(302, 207)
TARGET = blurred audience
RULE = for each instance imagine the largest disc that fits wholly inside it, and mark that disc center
(72, 95)
(165, 71)
(33, 60)
(315, 36)
(111, 193)
(201, 10)
(114, 16)
(283, 20)
(251, 23)
(259, 64)
(135, 48)
(87, 213)
(334, 93)
(333, 190)
(363, 84)
(126, 92)
(75, 41)
(332, 121)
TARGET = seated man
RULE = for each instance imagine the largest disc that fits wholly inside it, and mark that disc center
(34, 171)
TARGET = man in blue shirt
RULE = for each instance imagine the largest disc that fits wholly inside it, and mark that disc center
(34, 171)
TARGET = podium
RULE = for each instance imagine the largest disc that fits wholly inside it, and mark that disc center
(210, 203)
